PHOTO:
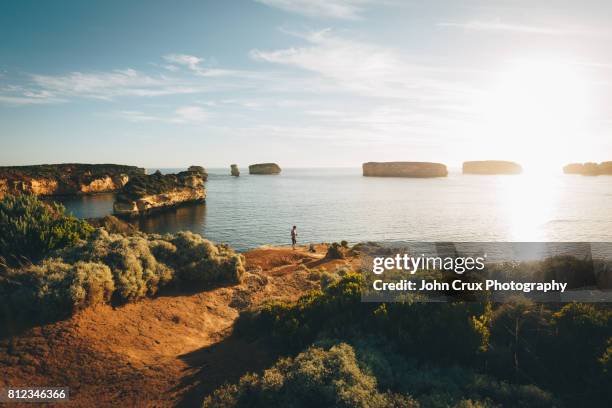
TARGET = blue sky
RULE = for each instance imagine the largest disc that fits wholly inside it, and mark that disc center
(304, 83)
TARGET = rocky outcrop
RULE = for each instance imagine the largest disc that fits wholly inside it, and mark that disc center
(404, 169)
(199, 169)
(234, 170)
(264, 168)
(491, 167)
(589, 169)
(65, 179)
(145, 194)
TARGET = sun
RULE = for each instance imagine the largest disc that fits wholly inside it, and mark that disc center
(537, 111)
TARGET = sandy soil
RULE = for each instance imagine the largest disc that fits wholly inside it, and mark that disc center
(167, 351)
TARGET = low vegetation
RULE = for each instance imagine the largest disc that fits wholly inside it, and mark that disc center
(456, 354)
(83, 266)
(30, 229)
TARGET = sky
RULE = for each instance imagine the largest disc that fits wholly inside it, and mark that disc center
(305, 83)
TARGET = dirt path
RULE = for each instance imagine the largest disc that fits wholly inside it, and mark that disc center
(159, 352)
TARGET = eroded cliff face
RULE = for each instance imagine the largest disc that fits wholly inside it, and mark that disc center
(589, 169)
(65, 179)
(404, 169)
(145, 194)
(491, 167)
(264, 168)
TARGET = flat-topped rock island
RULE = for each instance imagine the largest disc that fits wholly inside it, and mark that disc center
(491, 167)
(145, 194)
(264, 168)
(404, 169)
(589, 169)
(65, 179)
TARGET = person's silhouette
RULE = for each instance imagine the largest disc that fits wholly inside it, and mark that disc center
(293, 236)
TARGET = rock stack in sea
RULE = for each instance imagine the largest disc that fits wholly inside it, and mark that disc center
(234, 170)
(589, 169)
(404, 169)
(65, 179)
(200, 170)
(264, 168)
(145, 194)
(491, 167)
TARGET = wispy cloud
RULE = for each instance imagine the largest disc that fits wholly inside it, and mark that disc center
(31, 89)
(366, 68)
(107, 85)
(16, 95)
(507, 27)
(339, 9)
(194, 64)
(191, 61)
(181, 115)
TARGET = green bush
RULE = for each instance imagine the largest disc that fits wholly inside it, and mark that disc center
(136, 271)
(518, 342)
(199, 261)
(30, 229)
(114, 267)
(54, 289)
(444, 332)
(314, 378)
(371, 373)
(142, 264)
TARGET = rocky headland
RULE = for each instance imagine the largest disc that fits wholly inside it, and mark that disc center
(65, 179)
(589, 169)
(264, 168)
(492, 167)
(234, 170)
(404, 169)
(145, 194)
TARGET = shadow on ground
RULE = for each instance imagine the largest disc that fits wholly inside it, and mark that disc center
(221, 363)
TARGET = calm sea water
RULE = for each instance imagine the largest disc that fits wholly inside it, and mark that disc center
(336, 204)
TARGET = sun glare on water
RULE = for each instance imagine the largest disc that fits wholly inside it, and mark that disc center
(537, 111)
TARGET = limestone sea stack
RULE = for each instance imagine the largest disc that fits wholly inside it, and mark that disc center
(234, 170)
(145, 194)
(404, 169)
(264, 168)
(589, 169)
(200, 170)
(491, 167)
(65, 179)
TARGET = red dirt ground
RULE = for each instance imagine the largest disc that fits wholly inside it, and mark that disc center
(167, 351)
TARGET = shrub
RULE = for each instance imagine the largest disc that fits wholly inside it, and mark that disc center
(201, 262)
(327, 279)
(142, 264)
(315, 377)
(92, 284)
(54, 289)
(113, 267)
(31, 229)
(335, 251)
(136, 272)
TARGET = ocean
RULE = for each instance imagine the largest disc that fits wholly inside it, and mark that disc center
(340, 204)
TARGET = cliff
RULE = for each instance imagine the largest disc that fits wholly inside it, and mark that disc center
(491, 167)
(149, 193)
(234, 170)
(65, 179)
(264, 168)
(589, 169)
(404, 169)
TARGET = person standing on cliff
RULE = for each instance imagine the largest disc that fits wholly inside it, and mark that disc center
(293, 236)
